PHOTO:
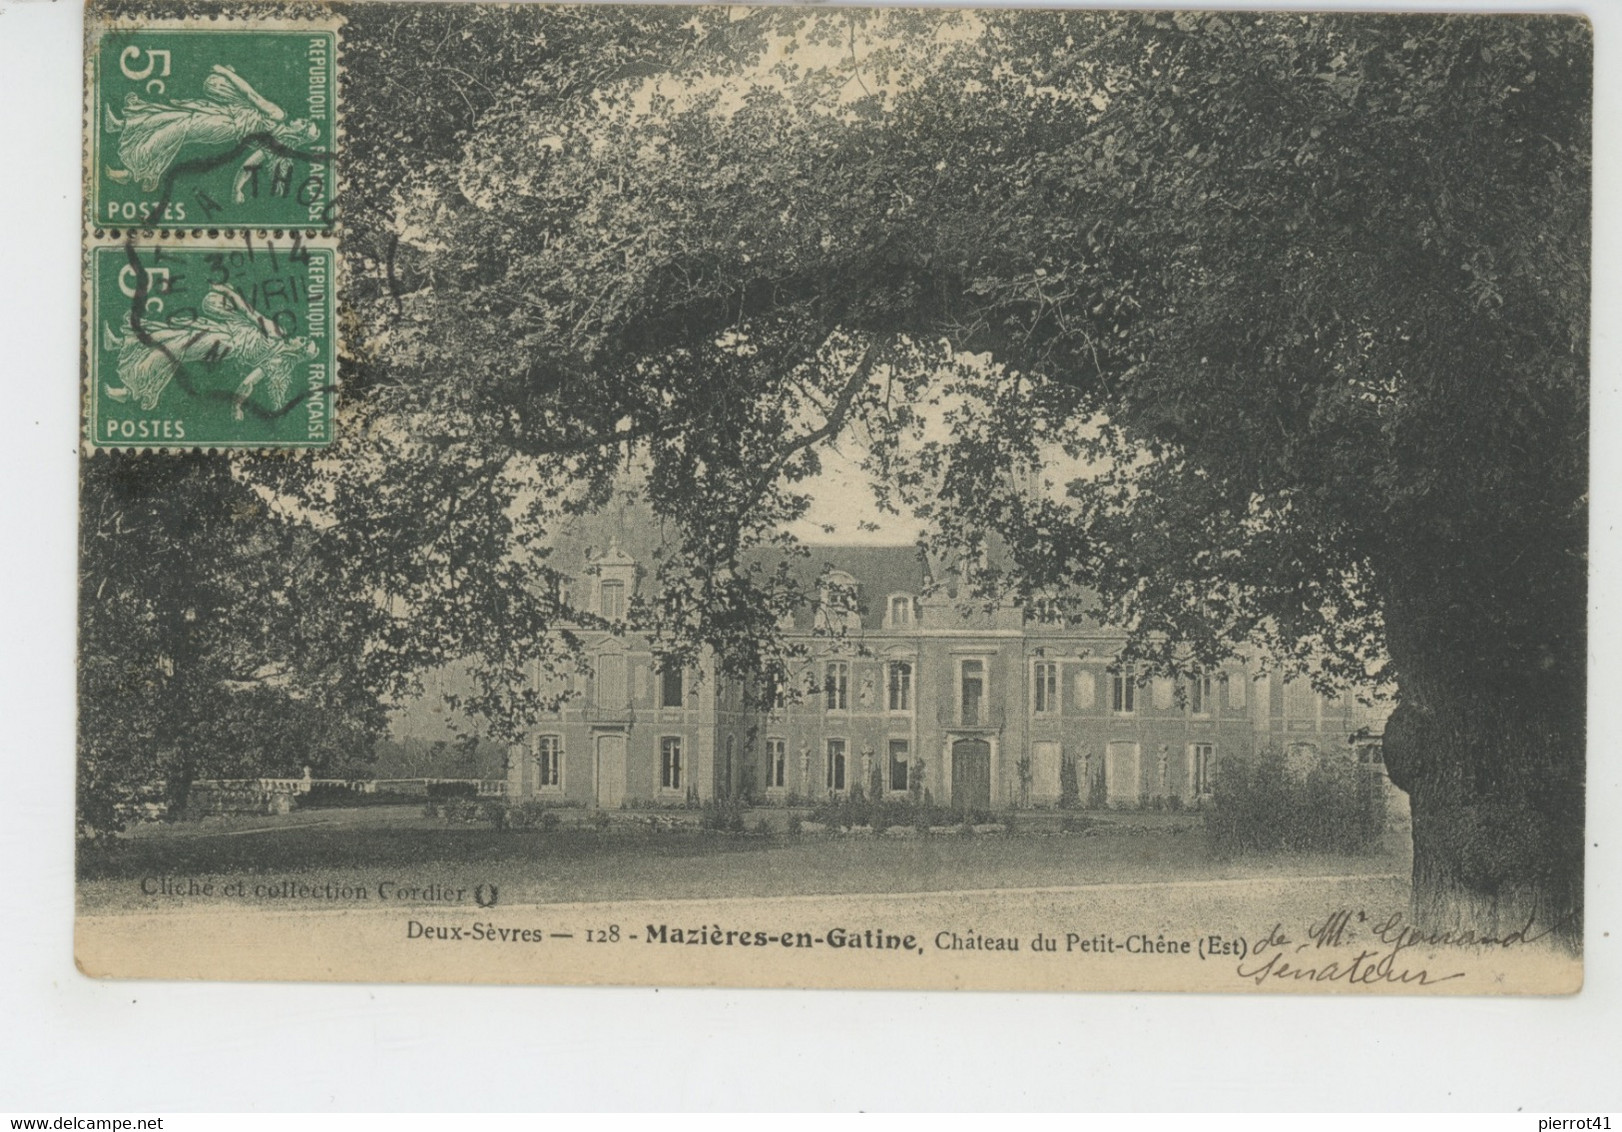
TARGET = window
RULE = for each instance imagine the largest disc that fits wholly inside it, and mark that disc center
(900, 685)
(613, 600)
(1199, 695)
(972, 691)
(779, 686)
(838, 608)
(900, 758)
(836, 765)
(1199, 769)
(1045, 687)
(670, 768)
(836, 686)
(1123, 692)
(900, 610)
(549, 762)
(776, 764)
(670, 686)
(611, 681)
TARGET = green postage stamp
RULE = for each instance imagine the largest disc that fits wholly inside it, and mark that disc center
(212, 126)
(223, 343)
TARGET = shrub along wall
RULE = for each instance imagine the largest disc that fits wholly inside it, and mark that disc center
(1259, 804)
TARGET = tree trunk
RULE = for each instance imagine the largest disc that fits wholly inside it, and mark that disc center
(1497, 802)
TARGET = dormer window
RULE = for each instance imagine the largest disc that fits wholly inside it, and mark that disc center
(616, 573)
(901, 610)
(837, 608)
(975, 564)
(557, 588)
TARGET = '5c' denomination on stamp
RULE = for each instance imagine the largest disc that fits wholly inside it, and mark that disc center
(200, 124)
(226, 343)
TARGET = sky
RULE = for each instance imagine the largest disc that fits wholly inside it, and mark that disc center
(842, 499)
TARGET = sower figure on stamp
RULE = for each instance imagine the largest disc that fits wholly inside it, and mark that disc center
(226, 331)
(152, 133)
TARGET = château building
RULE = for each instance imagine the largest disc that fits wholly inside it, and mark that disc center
(908, 687)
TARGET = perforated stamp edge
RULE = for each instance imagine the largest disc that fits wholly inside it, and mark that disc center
(226, 241)
(288, 19)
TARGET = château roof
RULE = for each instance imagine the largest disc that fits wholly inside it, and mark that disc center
(879, 571)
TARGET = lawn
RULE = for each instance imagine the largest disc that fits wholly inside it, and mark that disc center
(565, 865)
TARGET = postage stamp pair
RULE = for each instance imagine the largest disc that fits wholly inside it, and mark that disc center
(211, 262)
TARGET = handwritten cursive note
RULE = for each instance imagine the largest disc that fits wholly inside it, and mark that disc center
(1341, 948)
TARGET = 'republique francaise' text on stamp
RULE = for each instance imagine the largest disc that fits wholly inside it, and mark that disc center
(227, 343)
(204, 124)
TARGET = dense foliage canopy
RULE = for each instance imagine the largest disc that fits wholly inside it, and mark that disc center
(1299, 301)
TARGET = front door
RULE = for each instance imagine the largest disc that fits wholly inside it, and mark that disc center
(610, 771)
(971, 774)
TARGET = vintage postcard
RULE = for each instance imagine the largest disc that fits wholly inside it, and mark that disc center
(834, 497)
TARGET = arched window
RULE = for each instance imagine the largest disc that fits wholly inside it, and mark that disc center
(836, 766)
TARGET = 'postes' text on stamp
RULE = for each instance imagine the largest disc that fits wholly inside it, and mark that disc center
(226, 343)
(213, 127)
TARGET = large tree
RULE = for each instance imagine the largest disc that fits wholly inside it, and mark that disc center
(1343, 271)
(1308, 294)
(245, 614)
